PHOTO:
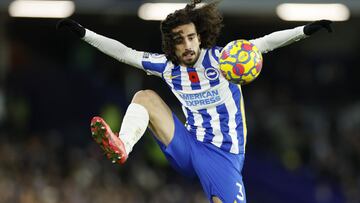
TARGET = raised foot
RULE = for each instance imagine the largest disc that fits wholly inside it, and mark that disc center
(109, 142)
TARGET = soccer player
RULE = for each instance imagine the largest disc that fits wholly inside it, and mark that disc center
(211, 144)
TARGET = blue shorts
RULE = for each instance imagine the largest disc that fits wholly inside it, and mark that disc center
(218, 171)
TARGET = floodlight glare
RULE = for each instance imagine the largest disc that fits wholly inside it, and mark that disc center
(41, 9)
(311, 12)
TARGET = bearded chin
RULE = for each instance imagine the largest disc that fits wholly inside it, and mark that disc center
(190, 63)
(193, 61)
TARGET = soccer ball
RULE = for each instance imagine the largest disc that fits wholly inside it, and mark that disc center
(240, 62)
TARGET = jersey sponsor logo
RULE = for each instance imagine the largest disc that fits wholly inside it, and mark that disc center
(211, 73)
(156, 55)
(174, 76)
(146, 55)
(202, 98)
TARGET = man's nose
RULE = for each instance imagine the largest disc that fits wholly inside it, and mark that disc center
(187, 43)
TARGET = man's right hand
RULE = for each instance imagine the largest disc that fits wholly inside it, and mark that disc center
(71, 25)
(315, 26)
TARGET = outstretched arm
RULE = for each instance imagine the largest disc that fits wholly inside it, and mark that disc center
(106, 45)
(286, 37)
(114, 49)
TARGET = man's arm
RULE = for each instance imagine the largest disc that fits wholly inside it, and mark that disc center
(286, 37)
(114, 49)
(106, 45)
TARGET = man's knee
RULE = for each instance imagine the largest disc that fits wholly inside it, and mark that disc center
(216, 199)
(145, 97)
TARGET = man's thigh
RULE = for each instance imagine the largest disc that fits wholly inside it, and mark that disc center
(179, 150)
(220, 173)
(160, 115)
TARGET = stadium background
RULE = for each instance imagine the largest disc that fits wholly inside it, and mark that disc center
(303, 112)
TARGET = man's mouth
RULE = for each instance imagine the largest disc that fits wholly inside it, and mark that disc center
(188, 54)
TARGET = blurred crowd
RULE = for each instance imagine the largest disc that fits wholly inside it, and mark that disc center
(41, 169)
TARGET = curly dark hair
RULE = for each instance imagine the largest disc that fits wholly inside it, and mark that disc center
(207, 20)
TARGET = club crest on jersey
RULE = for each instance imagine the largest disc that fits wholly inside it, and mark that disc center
(211, 73)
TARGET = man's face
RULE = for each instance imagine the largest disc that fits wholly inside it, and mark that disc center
(187, 44)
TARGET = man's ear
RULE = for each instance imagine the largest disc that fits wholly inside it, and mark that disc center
(199, 38)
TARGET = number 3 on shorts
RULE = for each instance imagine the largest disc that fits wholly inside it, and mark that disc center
(240, 196)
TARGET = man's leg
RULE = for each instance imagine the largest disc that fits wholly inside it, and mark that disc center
(161, 121)
(219, 173)
(216, 200)
(146, 109)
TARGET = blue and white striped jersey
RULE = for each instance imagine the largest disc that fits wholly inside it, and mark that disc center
(214, 108)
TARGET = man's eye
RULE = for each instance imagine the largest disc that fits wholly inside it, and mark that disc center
(178, 41)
